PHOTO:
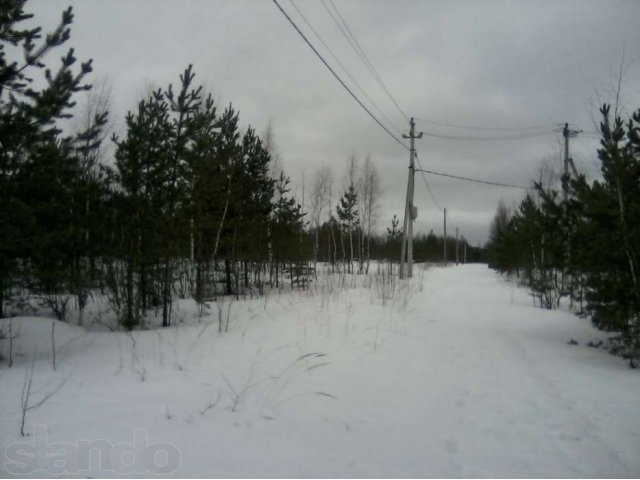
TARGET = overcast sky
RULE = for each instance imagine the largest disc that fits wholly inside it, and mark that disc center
(493, 64)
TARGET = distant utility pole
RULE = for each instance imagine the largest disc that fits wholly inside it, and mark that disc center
(457, 261)
(445, 236)
(567, 133)
(410, 212)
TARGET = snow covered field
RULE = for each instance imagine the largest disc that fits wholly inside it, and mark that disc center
(457, 375)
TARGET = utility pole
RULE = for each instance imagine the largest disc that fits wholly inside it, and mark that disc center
(457, 246)
(565, 175)
(567, 133)
(445, 236)
(410, 212)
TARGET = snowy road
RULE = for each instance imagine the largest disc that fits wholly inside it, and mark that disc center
(458, 376)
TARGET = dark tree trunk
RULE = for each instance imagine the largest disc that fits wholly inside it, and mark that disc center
(166, 294)
(227, 270)
(1, 298)
(144, 289)
(129, 318)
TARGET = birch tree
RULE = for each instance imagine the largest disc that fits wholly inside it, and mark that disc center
(369, 193)
(320, 190)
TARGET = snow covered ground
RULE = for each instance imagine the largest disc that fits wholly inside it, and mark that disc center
(456, 375)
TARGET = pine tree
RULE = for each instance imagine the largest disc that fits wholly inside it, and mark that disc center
(142, 176)
(35, 154)
(394, 232)
(348, 217)
(155, 165)
(229, 152)
(610, 232)
(287, 228)
(209, 185)
(498, 245)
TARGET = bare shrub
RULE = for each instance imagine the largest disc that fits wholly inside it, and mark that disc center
(384, 285)
(9, 334)
(59, 305)
(26, 402)
(53, 344)
(224, 318)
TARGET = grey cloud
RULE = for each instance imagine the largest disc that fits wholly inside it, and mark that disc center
(494, 63)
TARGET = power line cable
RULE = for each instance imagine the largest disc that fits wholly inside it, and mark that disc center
(476, 127)
(338, 77)
(346, 31)
(476, 180)
(373, 69)
(424, 178)
(522, 136)
(344, 68)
